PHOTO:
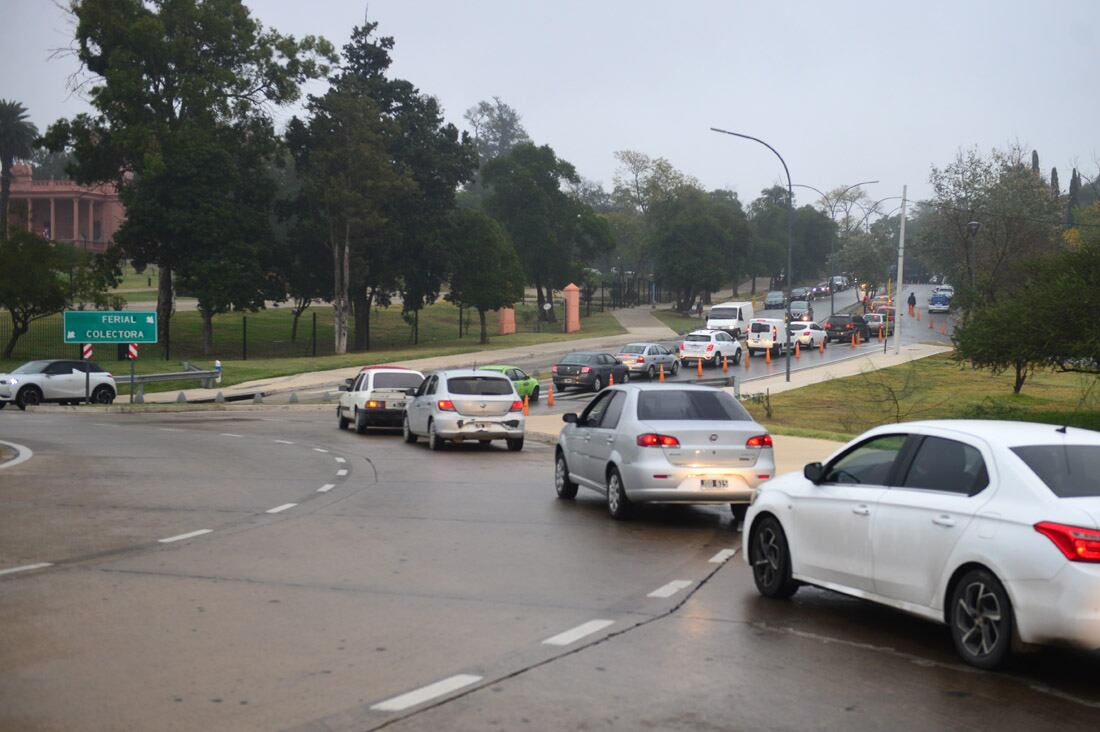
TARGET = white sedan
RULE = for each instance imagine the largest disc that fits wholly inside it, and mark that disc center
(809, 335)
(992, 528)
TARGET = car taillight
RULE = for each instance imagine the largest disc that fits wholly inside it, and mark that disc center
(847, 326)
(641, 359)
(805, 332)
(375, 405)
(446, 405)
(681, 346)
(553, 369)
(651, 439)
(759, 441)
(1076, 543)
(775, 333)
(710, 347)
(517, 406)
(586, 370)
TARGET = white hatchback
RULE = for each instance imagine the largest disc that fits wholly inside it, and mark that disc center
(57, 380)
(990, 527)
(709, 347)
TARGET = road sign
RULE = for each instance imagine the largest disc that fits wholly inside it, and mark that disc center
(107, 326)
(132, 351)
(86, 351)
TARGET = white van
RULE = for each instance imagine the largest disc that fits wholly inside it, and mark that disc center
(732, 317)
(767, 334)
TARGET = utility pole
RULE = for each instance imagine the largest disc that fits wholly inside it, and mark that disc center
(901, 276)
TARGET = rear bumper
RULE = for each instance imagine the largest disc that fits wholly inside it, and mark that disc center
(385, 417)
(584, 381)
(684, 484)
(479, 428)
(1064, 610)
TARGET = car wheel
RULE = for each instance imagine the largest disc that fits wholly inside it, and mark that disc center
(618, 505)
(737, 357)
(738, 510)
(435, 442)
(3, 404)
(515, 444)
(103, 395)
(566, 488)
(409, 435)
(28, 396)
(651, 373)
(535, 394)
(626, 377)
(981, 619)
(771, 559)
(341, 420)
(597, 385)
(675, 367)
(360, 422)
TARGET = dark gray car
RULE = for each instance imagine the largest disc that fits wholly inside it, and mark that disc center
(589, 370)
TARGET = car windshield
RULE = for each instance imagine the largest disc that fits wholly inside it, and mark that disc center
(32, 367)
(698, 338)
(579, 358)
(1070, 471)
(799, 305)
(838, 320)
(661, 405)
(397, 381)
(798, 327)
(760, 328)
(633, 348)
(723, 313)
(479, 386)
(774, 296)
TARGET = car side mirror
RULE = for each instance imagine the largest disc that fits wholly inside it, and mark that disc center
(411, 391)
(814, 472)
(569, 418)
(345, 387)
(348, 382)
(618, 360)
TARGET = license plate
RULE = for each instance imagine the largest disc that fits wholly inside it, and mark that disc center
(705, 483)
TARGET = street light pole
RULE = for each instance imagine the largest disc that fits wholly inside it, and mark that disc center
(790, 231)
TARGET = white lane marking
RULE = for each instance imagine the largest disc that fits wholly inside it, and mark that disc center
(284, 442)
(280, 509)
(26, 568)
(189, 535)
(102, 424)
(670, 589)
(24, 453)
(230, 434)
(319, 449)
(341, 460)
(722, 556)
(326, 488)
(426, 693)
(575, 634)
(170, 429)
(341, 473)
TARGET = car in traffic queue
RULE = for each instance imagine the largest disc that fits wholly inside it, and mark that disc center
(945, 289)
(732, 317)
(808, 335)
(801, 310)
(842, 326)
(992, 528)
(648, 359)
(801, 293)
(460, 405)
(879, 322)
(840, 283)
(526, 385)
(821, 289)
(939, 302)
(767, 334)
(711, 347)
(775, 300)
(663, 443)
(60, 381)
(376, 397)
(588, 370)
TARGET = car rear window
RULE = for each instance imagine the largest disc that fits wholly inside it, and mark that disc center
(478, 386)
(698, 338)
(725, 314)
(1070, 471)
(579, 358)
(761, 328)
(799, 305)
(397, 381)
(633, 348)
(838, 320)
(660, 405)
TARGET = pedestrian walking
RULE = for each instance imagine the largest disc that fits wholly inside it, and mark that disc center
(912, 302)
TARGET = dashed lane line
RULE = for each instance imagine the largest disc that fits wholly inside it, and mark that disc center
(188, 535)
(319, 449)
(341, 460)
(26, 568)
(284, 442)
(575, 634)
(280, 509)
(426, 693)
(722, 556)
(231, 434)
(341, 473)
(670, 589)
(326, 488)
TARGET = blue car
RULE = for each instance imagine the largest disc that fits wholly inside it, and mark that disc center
(939, 303)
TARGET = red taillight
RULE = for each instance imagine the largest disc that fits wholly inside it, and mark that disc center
(805, 332)
(759, 441)
(446, 405)
(554, 369)
(775, 333)
(847, 326)
(641, 359)
(710, 348)
(586, 370)
(1076, 543)
(372, 404)
(681, 346)
(517, 406)
(654, 440)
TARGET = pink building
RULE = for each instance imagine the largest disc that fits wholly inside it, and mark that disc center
(62, 210)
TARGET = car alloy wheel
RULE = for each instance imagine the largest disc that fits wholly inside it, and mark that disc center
(565, 488)
(29, 396)
(597, 385)
(434, 440)
(341, 420)
(770, 559)
(675, 367)
(618, 505)
(103, 395)
(535, 394)
(410, 436)
(981, 622)
(626, 377)
(651, 373)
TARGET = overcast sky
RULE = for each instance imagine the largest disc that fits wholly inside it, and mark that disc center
(846, 91)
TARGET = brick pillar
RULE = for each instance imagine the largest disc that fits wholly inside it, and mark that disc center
(53, 219)
(90, 231)
(30, 215)
(76, 220)
(506, 321)
(572, 295)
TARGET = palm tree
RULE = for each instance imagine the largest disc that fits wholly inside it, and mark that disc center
(17, 137)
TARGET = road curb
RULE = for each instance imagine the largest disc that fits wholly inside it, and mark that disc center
(155, 408)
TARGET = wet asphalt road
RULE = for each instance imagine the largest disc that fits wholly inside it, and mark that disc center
(413, 569)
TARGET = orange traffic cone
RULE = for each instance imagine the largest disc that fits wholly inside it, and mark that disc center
(699, 367)
(611, 379)
(859, 338)
(918, 315)
(661, 374)
(943, 328)
(768, 356)
(550, 394)
(798, 349)
(748, 355)
(880, 332)
(526, 405)
(853, 340)
(725, 364)
(931, 324)
(823, 346)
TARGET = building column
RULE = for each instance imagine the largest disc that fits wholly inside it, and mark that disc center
(30, 215)
(76, 219)
(90, 231)
(53, 219)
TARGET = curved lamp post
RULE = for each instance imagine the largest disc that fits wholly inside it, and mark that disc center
(790, 231)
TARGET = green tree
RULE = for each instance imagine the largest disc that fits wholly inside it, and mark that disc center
(497, 128)
(166, 75)
(768, 226)
(1055, 189)
(689, 238)
(46, 165)
(17, 136)
(486, 273)
(1073, 199)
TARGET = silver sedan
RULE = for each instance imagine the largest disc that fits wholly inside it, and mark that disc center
(465, 405)
(663, 443)
(648, 359)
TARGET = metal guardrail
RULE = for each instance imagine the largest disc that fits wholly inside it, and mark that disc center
(206, 377)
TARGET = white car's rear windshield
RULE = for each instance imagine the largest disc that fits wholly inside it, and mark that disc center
(698, 338)
(657, 406)
(397, 381)
(761, 328)
(478, 386)
(724, 314)
(1070, 471)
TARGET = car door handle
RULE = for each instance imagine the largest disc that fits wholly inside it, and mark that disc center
(943, 520)
(587, 438)
(861, 510)
(610, 440)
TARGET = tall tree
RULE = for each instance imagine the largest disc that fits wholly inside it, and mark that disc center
(689, 238)
(486, 273)
(1073, 199)
(1054, 187)
(1035, 162)
(167, 73)
(17, 135)
(497, 128)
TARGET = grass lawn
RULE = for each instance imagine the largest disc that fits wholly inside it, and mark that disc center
(931, 388)
(678, 321)
(131, 280)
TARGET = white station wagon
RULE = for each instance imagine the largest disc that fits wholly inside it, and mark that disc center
(377, 397)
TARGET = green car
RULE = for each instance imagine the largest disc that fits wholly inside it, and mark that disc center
(525, 385)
